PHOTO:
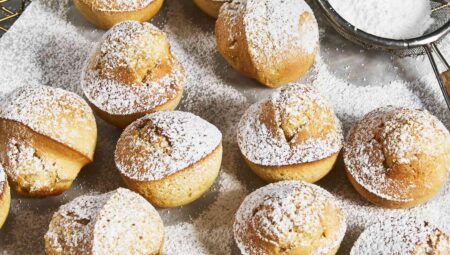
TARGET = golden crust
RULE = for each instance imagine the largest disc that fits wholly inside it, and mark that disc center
(417, 197)
(107, 19)
(270, 249)
(5, 202)
(97, 225)
(293, 135)
(182, 187)
(406, 235)
(238, 48)
(289, 217)
(309, 172)
(54, 113)
(122, 121)
(123, 85)
(300, 119)
(46, 136)
(398, 157)
(233, 45)
(116, 5)
(35, 164)
(210, 7)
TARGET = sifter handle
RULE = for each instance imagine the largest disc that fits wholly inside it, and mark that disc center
(441, 78)
(445, 76)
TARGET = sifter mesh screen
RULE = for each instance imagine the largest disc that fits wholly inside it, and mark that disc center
(440, 15)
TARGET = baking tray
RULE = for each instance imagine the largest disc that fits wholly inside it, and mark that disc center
(50, 42)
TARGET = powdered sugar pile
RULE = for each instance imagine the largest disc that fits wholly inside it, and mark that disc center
(398, 133)
(399, 236)
(396, 19)
(118, 5)
(278, 213)
(111, 80)
(166, 142)
(263, 146)
(49, 45)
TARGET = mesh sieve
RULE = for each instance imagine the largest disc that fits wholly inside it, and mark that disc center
(427, 43)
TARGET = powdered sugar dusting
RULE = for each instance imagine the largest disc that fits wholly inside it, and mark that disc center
(49, 45)
(24, 163)
(52, 112)
(46, 53)
(212, 231)
(389, 136)
(111, 223)
(112, 80)
(117, 5)
(387, 18)
(134, 228)
(71, 227)
(263, 146)
(273, 28)
(163, 143)
(278, 213)
(402, 236)
(2, 177)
